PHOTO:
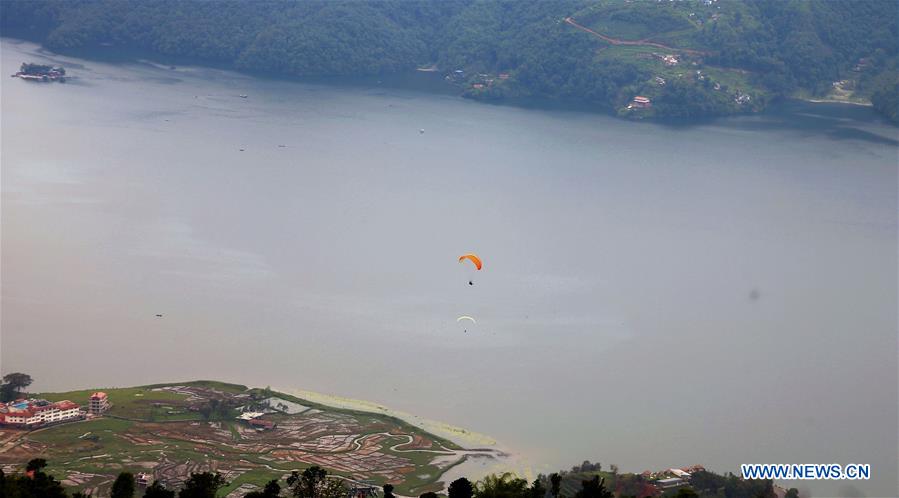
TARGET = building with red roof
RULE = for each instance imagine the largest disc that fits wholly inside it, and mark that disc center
(37, 412)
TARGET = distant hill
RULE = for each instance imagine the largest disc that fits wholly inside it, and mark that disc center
(689, 58)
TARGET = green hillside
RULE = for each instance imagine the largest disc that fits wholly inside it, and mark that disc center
(732, 56)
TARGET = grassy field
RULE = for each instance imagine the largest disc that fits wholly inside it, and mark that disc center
(134, 402)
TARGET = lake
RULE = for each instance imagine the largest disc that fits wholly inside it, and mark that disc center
(652, 296)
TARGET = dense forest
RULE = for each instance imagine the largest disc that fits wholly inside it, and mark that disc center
(688, 58)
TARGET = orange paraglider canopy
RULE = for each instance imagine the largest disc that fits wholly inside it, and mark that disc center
(473, 258)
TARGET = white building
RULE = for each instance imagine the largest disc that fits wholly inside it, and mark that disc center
(33, 412)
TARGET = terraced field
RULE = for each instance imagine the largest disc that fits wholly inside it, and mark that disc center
(168, 430)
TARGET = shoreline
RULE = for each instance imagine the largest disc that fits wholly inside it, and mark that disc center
(835, 101)
(400, 80)
(471, 461)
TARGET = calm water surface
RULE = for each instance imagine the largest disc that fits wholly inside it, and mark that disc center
(652, 296)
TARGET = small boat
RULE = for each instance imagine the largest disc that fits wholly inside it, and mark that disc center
(243, 95)
(422, 131)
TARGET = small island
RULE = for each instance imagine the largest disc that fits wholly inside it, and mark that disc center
(41, 72)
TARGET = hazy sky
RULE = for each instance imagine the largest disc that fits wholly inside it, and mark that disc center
(652, 296)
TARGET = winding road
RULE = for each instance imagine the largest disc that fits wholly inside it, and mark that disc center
(617, 41)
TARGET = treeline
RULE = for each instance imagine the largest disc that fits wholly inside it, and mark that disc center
(314, 482)
(301, 38)
(14, 384)
(787, 44)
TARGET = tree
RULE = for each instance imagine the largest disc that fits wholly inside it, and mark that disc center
(460, 488)
(271, 490)
(314, 483)
(35, 465)
(210, 410)
(613, 469)
(13, 384)
(202, 485)
(34, 483)
(706, 481)
(686, 492)
(555, 484)
(429, 494)
(388, 491)
(123, 487)
(593, 488)
(537, 489)
(792, 493)
(156, 490)
(501, 486)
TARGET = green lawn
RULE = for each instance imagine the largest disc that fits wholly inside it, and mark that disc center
(68, 434)
(138, 402)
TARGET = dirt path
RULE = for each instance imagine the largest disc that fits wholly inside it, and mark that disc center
(618, 41)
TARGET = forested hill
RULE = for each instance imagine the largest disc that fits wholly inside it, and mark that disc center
(687, 58)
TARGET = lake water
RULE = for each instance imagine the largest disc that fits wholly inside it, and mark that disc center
(652, 296)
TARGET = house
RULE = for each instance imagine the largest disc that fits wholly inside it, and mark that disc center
(503, 76)
(670, 483)
(742, 98)
(98, 403)
(679, 473)
(478, 86)
(143, 479)
(265, 425)
(659, 80)
(640, 102)
(247, 416)
(362, 491)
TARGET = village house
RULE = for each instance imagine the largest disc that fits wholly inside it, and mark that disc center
(670, 483)
(742, 98)
(143, 479)
(98, 403)
(260, 424)
(679, 473)
(640, 102)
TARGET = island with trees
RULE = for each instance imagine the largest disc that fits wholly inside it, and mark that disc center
(41, 72)
(685, 59)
